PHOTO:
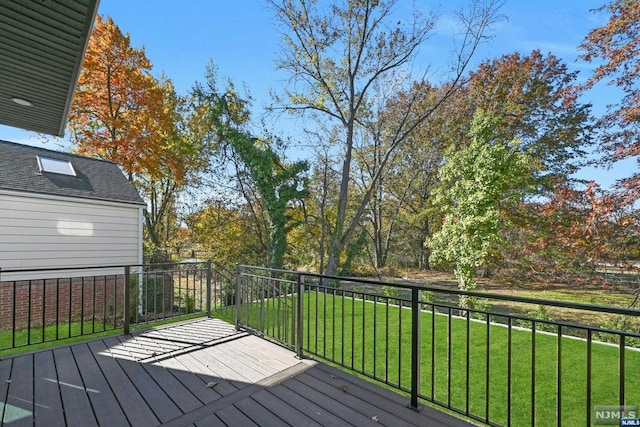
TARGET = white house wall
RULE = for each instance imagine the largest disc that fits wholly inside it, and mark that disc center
(38, 232)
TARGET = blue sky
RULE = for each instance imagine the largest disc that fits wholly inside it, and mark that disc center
(241, 37)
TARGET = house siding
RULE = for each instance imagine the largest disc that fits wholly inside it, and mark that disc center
(53, 232)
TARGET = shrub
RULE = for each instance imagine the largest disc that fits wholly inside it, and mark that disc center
(391, 292)
(156, 296)
(620, 323)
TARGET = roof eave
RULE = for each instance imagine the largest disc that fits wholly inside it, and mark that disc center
(88, 26)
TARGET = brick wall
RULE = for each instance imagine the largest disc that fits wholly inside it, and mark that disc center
(34, 302)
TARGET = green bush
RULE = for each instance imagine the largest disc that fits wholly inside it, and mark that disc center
(623, 324)
(156, 295)
(540, 313)
(428, 297)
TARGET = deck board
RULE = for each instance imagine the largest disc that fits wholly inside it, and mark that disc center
(328, 403)
(220, 370)
(224, 386)
(197, 373)
(105, 405)
(20, 395)
(258, 413)
(195, 383)
(347, 394)
(287, 413)
(232, 416)
(77, 408)
(180, 395)
(210, 421)
(253, 368)
(48, 411)
(137, 410)
(384, 400)
(157, 399)
(263, 351)
(311, 409)
(350, 396)
(5, 378)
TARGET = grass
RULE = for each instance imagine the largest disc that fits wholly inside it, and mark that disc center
(585, 292)
(68, 333)
(375, 340)
(52, 335)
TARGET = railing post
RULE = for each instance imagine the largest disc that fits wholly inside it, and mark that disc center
(294, 316)
(237, 297)
(127, 299)
(300, 326)
(209, 288)
(621, 376)
(415, 346)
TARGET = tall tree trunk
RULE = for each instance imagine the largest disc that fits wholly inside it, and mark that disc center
(337, 243)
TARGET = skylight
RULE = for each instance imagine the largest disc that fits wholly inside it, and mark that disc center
(62, 167)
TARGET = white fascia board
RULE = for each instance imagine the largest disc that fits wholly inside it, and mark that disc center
(32, 195)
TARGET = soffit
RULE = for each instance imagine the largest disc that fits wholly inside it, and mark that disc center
(42, 45)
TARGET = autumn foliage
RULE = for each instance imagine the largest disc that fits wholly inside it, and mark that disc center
(615, 47)
(120, 111)
(531, 94)
(398, 166)
(576, 230)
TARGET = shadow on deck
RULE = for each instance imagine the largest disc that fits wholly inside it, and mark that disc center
(201, 373)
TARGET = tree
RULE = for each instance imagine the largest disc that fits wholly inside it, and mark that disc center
(391, 192)
(399, 206)
(577, 230)
(336, 55)
(477, 185)
(160, 189)
(122, 113)
(277, 182)
(527, 94)
(227, 232)
(317, 209)
(532, 96)
(615, 47)
(119, 111)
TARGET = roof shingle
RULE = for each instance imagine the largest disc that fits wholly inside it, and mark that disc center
(96, 179)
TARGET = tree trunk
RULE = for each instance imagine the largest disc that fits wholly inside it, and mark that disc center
(337, 245)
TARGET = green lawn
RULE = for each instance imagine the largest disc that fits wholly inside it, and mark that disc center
(375, 340)
(67, 333)
(52, 335)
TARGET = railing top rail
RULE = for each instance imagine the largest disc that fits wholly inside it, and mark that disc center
(538, 301)
(439, 289)
(75, 268)
(274, 270)
(96, 267)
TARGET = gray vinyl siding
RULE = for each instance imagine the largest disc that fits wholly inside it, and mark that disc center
(40, 232)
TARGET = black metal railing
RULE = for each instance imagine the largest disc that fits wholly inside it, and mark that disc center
(46, 305)
(493, 358)
(498, 359)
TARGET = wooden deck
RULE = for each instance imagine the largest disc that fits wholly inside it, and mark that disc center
(201, 373)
